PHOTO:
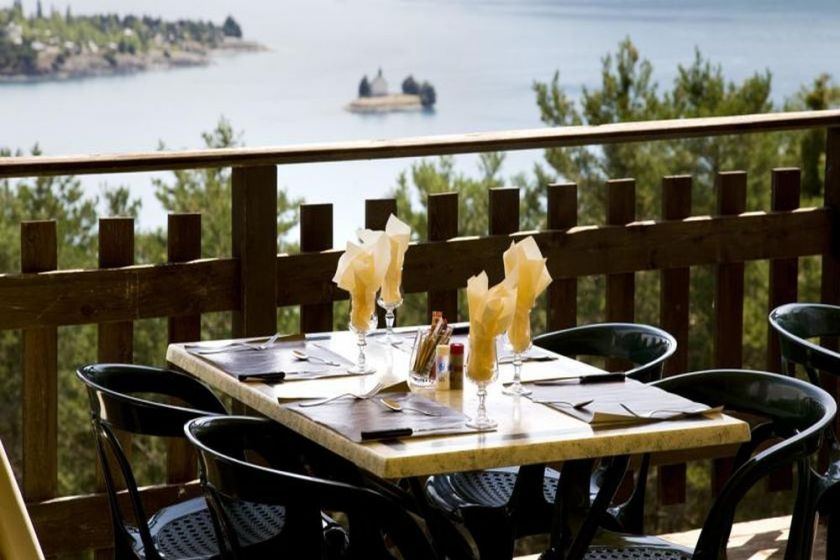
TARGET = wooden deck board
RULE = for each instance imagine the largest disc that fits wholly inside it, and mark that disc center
(763, 539)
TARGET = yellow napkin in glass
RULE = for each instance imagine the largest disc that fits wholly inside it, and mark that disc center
(360, 271)
(491, 312)
(398, 233)
(525, 268)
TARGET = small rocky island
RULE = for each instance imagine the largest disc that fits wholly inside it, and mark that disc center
(55, 46)
(375, 98)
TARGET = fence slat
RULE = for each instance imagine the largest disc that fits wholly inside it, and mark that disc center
(673, 317)
(116, 249)
(785, 188)
(316, 234)
(503, 219)
(731, 189)
(183, 243)
(830, 288)
(38, 253)
(116, 338)
(562, 213)
(442, 225)
(621, 288)
(254, 220)
(377, 212)
(503, 210)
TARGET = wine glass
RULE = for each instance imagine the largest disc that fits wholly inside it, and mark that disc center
(519, 335)
(362, 320)
(482, 368)
(390, 300)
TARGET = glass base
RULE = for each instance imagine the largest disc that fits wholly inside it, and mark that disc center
(481, 423)
(361, 370)
(421, 381)
(516, 389)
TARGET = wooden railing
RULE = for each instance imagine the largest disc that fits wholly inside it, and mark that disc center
(255, 280)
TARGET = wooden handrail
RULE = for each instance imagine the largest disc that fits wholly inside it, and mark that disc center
(35, 166)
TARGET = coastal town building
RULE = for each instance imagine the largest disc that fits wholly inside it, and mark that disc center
(379, 86)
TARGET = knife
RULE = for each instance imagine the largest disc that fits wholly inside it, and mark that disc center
(394, 433)
(617, 377)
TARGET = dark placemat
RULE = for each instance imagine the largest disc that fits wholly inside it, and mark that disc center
(242, 363)
(624, 403)
(351, 417)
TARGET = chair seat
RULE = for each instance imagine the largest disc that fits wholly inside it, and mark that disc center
(495, 487)
(621, 546)
(185, 530)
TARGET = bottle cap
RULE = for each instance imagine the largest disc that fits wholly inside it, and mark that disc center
(456, 348)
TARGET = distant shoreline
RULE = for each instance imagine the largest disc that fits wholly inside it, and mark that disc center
(93, 66)
(385, 103)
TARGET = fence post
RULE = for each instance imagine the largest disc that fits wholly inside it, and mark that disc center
(183, 243)
(316, 234)
(562, 213)
(443, 225)
(377, 212)
(673, 317)
(254, 209)
(38, 253)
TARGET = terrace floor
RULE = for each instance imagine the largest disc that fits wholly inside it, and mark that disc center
(763, 539)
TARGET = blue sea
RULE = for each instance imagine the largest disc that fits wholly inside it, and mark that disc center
(481, 55)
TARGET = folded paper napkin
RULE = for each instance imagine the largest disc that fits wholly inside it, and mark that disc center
(618, 404)
(398, 234)
(491, 311)
(360, 271)
(525, 268)
(350, 416)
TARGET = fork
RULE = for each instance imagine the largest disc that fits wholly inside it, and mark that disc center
(675, 411)
(198, 349)
(366, 395)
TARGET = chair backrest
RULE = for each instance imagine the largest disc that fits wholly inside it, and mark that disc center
(140, 400)
(229, 474)
(795, 323)
(645, 346)
(796, 412)
(17, 536)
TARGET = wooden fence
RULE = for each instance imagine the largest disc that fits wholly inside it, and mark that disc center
(255, 280)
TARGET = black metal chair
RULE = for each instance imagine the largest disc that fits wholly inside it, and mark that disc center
(793, 411)
(246, 459)
(500, 505)
(125, 397)
(795, 324)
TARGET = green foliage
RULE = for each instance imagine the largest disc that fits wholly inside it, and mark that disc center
(410, 86)
(231, 28)
(428, 97)
(41, 42)
(364, 87)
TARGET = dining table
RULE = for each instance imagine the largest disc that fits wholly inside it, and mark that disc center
(528, 432)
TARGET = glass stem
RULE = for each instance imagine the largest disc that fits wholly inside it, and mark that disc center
(482, 409)
(389, 324)
(517, 372)
(361, 342)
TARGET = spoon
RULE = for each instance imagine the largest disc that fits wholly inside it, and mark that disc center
(397, 407)
(301, 355)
